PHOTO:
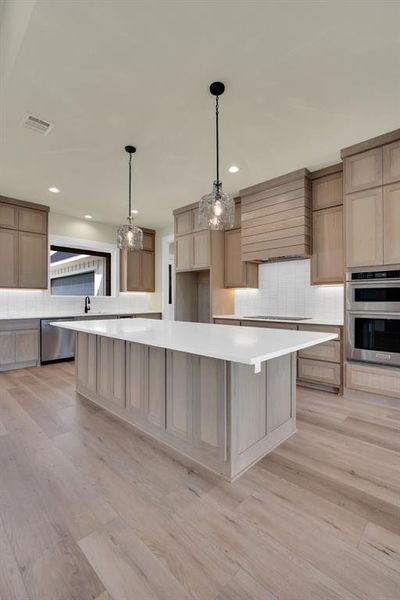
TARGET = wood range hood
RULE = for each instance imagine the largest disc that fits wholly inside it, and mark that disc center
(276, 218)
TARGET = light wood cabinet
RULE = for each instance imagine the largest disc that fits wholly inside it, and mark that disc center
(184, 222)
(238, 274)
(384, 381)
(111, 370)
(23, 244)
(184, 252)
(180, 368)
(391, 224)
(323, 372)
(8, 216)
(268, 325)
(137, 269)
(364, 228)
(327, 191)
(235, 322)
(145, 393)
(363, 171)
(201, 249)
(327, 261)
(7, 348)
(328, 351)
(26, 346)
(32, 260)
(86, 361)
(8, 258)
(391, 163)
(32, 220)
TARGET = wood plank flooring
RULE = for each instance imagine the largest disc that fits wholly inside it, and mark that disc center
(90, 509)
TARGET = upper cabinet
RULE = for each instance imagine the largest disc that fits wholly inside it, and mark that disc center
(327, 262)
(238, 273)
(137, 269)
(192, 243)
(276, 218)
(23, 244)
(363, 171)
(391, 163)
(372, 201)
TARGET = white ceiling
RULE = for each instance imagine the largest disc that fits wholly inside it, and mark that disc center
(303, 79)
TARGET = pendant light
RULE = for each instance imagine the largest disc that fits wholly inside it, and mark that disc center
(217, 210)
(130, 237)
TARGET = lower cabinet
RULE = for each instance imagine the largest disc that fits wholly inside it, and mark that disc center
(145, 387)
(86, 361)
(111, 370)
(19, 343)
(374, 379)
(319, 371)
(196, 404)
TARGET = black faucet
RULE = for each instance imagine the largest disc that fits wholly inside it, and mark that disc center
(87, 304)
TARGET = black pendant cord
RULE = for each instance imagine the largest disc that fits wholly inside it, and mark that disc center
(217, 139)
(130, 186)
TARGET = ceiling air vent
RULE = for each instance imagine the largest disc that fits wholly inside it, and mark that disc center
(36, 124)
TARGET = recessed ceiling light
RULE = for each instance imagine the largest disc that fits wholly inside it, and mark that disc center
(134, 211)
(88, 217)
(54, 190)
(233, 169)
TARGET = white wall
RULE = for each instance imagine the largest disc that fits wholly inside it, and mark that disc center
(284, 289)
(41, 303)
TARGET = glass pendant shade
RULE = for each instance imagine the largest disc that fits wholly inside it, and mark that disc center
(217, 210)
(130, 237)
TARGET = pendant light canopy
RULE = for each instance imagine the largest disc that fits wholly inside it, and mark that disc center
(217, 210)
(130, 237)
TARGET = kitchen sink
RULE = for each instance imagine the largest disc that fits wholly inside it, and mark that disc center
(275, 318)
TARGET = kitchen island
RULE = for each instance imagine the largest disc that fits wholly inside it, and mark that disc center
(223, 396)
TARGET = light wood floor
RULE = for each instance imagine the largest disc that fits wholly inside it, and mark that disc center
(91, 510)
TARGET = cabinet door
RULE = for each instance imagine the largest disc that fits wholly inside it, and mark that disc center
(26, 346)
(184, 222)
(32, 260)
(8, 216)
(201, 249)
(8, 258)
(133, 275)
(327, 262)
(32, 220)
(180, 395)
(111, 371)
(148, 241)
(86, 363)
(184, 252)
(327, 191)
(234, 267)
(7, 348)
(363, 171)
(391, 163)
(147, 268)
(391, 224)
(364, 228)
(209, 407)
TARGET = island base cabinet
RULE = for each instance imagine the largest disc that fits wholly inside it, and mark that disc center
(220, 415)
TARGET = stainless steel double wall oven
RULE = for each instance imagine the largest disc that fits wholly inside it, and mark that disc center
(373, 315)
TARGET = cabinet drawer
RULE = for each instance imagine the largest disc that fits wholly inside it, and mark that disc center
(329, 351)
(327, 328)
(376, 380)
(19, 324)
(319, 371)
(268, 325)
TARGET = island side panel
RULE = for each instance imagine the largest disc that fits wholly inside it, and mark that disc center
(263, 409)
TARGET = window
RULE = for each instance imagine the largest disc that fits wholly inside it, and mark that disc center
(78, 272)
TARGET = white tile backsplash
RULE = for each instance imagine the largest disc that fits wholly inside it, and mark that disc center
(42, 303)
(285, 289)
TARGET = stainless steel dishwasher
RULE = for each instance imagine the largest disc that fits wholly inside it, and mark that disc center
(56, 344)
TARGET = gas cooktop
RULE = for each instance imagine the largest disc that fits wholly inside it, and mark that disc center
(275, 318)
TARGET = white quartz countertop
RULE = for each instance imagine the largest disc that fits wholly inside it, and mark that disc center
(305, 321)
(247, 345)
(72, 315)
